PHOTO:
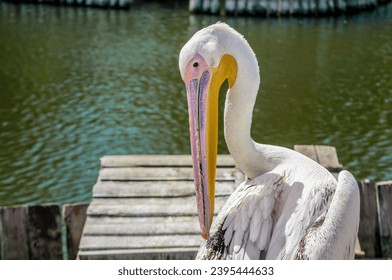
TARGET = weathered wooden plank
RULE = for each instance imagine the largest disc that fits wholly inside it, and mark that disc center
(119, 189)
(141, 225)
(158, 161)
(143, 207)
(158, 174)
(385, 217)
(44, 232)
(14, 233)
(307, 150)
(368, 226)
(74, 216)
(327, 156)
(141, 254)
(139, 242)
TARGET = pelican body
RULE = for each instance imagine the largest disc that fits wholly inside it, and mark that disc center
(289, 206)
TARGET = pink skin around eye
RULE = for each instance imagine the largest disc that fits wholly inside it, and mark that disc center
(196, 66)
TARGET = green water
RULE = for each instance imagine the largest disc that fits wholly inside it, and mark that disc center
(77, 84)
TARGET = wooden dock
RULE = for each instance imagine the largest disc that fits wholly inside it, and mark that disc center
(144, 207)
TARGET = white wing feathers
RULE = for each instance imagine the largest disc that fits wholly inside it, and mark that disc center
(308, 209)
(248, 225)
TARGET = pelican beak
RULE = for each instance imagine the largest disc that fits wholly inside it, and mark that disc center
(203, 126)
(202, 93)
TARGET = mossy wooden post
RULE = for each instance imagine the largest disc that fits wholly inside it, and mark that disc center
(385, 217)
(368, 233)
(44, 232)
(74, 217)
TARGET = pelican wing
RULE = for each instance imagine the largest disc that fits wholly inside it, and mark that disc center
(245, 222)
(333, 235)
(302, 209)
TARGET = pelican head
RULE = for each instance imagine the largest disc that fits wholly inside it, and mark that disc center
(205, 63)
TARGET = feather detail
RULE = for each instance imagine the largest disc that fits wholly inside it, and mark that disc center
(239, 255)
(244, 220)
(257, 218)
(254, 232)
(229, 234)
(251, 251)
(231, 248)
(237, 222)
(237, 240)
(264, 235)
(252, 206)
(229, 220)
(267, 208)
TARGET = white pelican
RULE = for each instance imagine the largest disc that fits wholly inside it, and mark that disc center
(289, 207)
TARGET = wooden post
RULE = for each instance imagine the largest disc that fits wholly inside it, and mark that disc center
(14, 233)
(369, 227)
(385, 217)
(74, 217)
(44, 232)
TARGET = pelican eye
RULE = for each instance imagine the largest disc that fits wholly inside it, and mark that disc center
(195, 64)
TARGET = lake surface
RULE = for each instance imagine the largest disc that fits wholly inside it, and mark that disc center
(77, 84)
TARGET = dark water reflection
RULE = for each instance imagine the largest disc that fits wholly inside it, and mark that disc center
(77, 84)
